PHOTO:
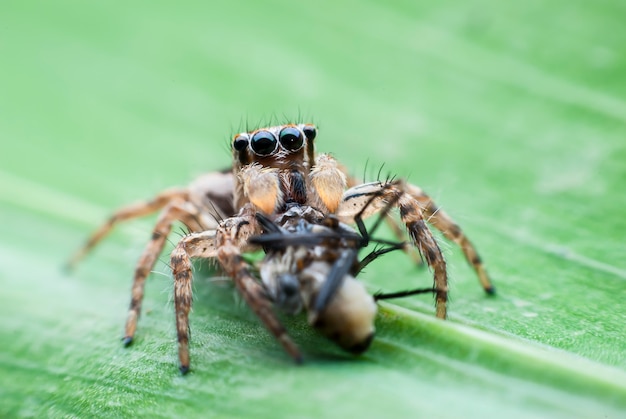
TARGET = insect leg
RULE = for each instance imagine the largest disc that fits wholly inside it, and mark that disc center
(375, 254)
(367, 199)
(393, 224)
(390, 295)
(335, 278)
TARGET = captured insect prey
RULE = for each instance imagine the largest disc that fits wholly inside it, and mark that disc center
(307, 214)
(309, 265)
(311, 262)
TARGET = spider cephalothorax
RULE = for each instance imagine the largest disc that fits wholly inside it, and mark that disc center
(277, 166)
(277, 179)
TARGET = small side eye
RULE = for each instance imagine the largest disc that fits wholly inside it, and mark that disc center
(240, 143)
(291, 138)
(263, 143)
(310, 131)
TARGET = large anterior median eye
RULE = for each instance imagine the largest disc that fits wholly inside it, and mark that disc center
(291, 138)
(263, 143)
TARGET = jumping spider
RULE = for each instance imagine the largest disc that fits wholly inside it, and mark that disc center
(275, 170)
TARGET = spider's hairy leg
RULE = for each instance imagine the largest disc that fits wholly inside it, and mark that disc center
(442, 222)
(256, 297)
(234, 237)
(398, 232)
(329, 182)
(395, 227)
(191, 246)
(126, 213)
(226, 244)
(175, 211)
(424, 240)
(365, 200)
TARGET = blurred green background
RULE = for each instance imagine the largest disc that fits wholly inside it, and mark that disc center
(512, 116)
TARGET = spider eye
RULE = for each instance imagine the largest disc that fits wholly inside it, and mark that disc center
(263, 143)
(291, 138)
(240, 143)
(310, 131)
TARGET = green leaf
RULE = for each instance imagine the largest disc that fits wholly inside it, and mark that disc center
(512, 116)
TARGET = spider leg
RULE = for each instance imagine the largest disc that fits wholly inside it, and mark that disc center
(193, 245)
(232, 238)
(422, 237)
(175, 211)
(398, 232)
(227, 245)
(256, 297)
(393, 225)
(364, 200)
(126, 213)
(199, 206)
(367, 235)
(442, 222)
(381, 203)
(211, 193)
